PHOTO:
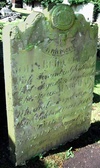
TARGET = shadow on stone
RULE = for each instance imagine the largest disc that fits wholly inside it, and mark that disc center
(96, 98)
(86, 157)
(90, 137)
(97, 79)
(5, 160)
(98, 53)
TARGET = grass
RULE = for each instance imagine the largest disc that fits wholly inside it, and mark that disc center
(96, 100)
(97, 78)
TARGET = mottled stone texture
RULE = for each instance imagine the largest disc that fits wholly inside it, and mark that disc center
(49, 65)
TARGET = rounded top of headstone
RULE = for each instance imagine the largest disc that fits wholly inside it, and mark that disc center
(62, 16)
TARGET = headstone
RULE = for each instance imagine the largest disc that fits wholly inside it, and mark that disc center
(49, 66)
(98, 19)
(66, 2)
(5, 11)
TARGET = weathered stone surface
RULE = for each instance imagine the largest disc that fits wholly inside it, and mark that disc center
(49, 67)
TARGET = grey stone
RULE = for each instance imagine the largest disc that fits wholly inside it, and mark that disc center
(49, 65)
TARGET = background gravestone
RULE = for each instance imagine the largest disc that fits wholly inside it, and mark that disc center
(49, 65)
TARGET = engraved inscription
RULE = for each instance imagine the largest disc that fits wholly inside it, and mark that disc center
(58, 51)
(48, 95)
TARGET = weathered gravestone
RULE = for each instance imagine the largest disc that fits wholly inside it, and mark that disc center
(49, 65)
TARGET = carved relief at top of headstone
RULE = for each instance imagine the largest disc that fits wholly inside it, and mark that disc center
(62, 17)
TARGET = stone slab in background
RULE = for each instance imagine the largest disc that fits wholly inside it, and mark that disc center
(98, 19)
(49, 66)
